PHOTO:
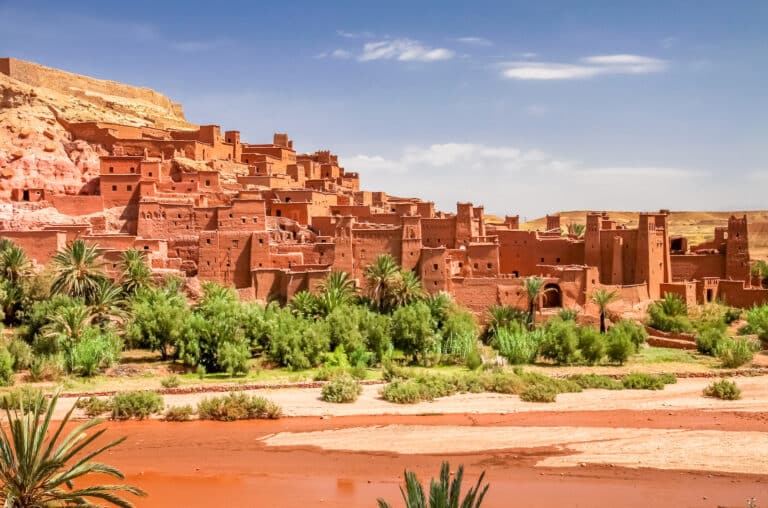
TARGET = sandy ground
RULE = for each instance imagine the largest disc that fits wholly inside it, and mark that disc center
(704, 450)
(204, 464)
(685, 394)
(597, 448)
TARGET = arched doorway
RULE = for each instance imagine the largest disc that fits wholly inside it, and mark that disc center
(552, 296)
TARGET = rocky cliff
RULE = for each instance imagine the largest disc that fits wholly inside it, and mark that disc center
(37, 151)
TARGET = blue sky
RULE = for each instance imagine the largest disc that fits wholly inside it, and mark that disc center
(525, 107)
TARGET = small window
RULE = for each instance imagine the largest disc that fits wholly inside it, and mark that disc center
(149, 174)
(129, 187)
(235, 243)
(207, 183)
(476, 266)
(261, 241)
(435, 267)
(557, 260)
(111, 169)
(208, 241)
(542, 260)
(255, 220)
(489, 265)
(133, 169)
(114, 187)
(243, 219)
(146, 247)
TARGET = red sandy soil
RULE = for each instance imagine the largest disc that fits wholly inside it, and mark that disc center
(226, 464)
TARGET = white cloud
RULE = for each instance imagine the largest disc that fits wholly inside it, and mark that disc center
(354, 35)
(587, 67)
(404, 50)
(510, 180)
(475, 41)
(341, 54)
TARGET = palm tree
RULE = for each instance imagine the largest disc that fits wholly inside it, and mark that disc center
(15, 266)
(304, 304)
(107, 302)
(603, 297)
(66, 326)
(406, 288)
(379, 278)
(442, 493)
(337, 289)
(136, 274)
(502, 316)
(533, 287)
(38, 469)
(78, 270)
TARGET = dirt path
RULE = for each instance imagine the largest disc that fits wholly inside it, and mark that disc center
(686, 394)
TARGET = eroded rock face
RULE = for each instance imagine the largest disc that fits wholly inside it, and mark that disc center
(36, 102)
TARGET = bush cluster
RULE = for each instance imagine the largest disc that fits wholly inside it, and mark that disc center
(642, 381)
(341, 389)
(670, 314)
(23, 397)
(179, 413)
(567, 343)
(237, 406)
(410, 389)
(136, 404)
(94, 406)
(723, 389)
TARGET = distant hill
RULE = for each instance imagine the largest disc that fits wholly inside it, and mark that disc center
(696, 226)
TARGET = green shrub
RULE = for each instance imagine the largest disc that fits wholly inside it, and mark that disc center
(669, 314)
(539, 393)
(588, 381)
(502, 316)
(635, 331)
(568, 314)
(95, 349)
(459, 334)
(22, 354)
(518, 344)
(668, 379)
(723, 389)
(136, 404)
(708, 339)
(757, 323)
(94, 406)
(413, 332)
(6, 367)
(46, 368)
(237, 406)
(474, 360)
(619, 346)
(22, 397)
(642, 381)
(342, 389)
(735, 352)
(591, 345)
(295, 342)
(406, 391)
(171, 381)
(561, 342)
(178, 413)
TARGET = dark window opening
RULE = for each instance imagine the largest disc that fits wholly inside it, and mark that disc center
(490, 265)
(279, 213)
(557, 260)
(133, 170)
(710, 295)
(25, 195)
(129, 187)
(111, 169)
(435, 266)
(552, 296)
(114, 188)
